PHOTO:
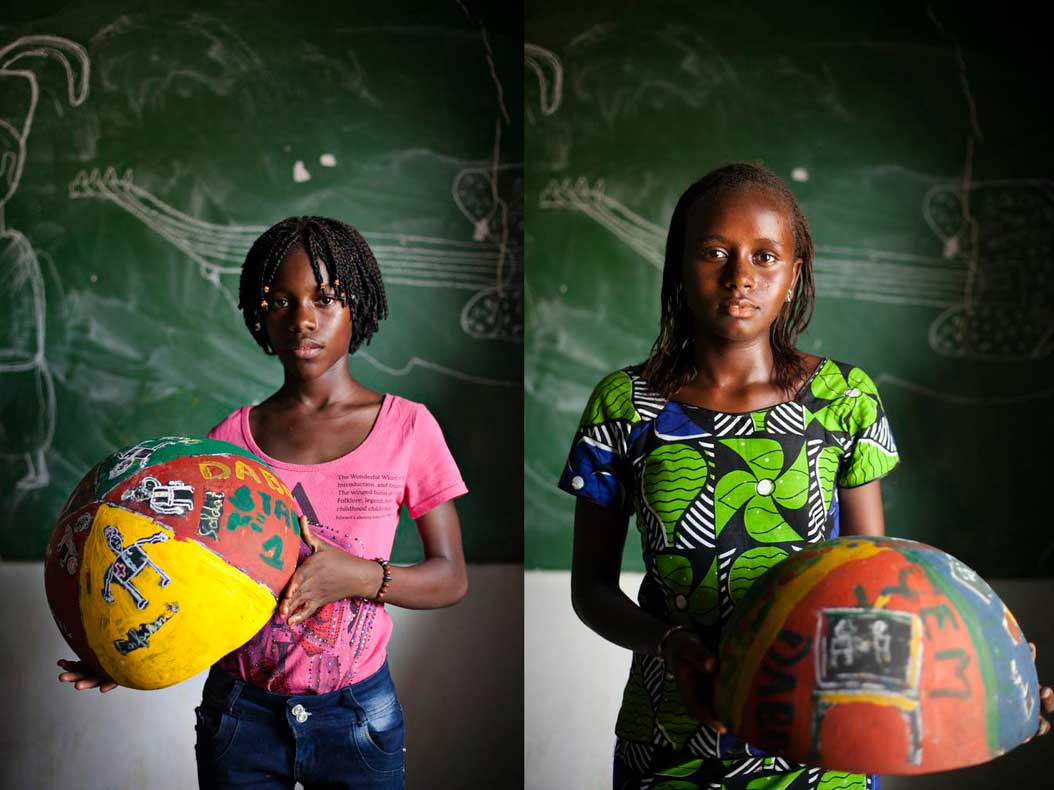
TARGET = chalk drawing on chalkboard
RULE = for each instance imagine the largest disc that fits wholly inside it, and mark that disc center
(409, 260)
(488, 267)
(497, 216)
(27, 424)
(1007, 308)
(495, 312)
(547, 67)
(489, 196)
(647, 238)
(1006, 316)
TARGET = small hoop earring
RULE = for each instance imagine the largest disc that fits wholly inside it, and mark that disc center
(790, 294)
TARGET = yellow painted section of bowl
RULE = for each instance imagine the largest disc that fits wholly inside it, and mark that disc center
(206, 609)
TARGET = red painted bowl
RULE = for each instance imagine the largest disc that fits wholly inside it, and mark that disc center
(876, 655)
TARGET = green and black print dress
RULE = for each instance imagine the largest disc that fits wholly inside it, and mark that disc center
(720, 498)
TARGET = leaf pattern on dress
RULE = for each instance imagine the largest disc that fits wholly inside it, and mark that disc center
(854, 400)
(672, 478)
(749, 567)
(760, 489)
(673, 718)
(688, 603)
(636, 714)
(826, 470)
(611, 400)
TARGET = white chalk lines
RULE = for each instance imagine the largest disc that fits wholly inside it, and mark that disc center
(421, 261)
(841, 272)
(884, 276)
(405, 259)
(25, 379)
(647, 238)
(547, 67)
(998, 308)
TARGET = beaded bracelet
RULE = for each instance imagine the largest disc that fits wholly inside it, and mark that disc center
(386, 579)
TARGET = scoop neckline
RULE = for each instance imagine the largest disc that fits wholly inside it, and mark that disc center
(797, 396)
(386, 407)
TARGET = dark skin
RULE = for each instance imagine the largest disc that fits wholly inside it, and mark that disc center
(319, 414)
(738, 267)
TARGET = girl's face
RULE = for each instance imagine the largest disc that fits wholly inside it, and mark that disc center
(738, 263)
(308, 326)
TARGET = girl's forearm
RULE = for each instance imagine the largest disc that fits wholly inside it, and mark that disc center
(433, 583)
(614, 616)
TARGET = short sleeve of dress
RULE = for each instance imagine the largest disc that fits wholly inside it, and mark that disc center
(855, 411)
(597, 467)
(433, 477)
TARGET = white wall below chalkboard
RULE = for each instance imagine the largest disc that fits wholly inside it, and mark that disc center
(458, 671)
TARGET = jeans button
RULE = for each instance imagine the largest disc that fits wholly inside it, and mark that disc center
(299, 713)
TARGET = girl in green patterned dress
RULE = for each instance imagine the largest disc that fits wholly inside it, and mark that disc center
(733, 449)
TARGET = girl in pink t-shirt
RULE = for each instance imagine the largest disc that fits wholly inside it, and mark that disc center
(280, 708)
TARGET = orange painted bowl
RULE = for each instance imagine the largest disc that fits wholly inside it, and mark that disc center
(876, 655)
(168, 555)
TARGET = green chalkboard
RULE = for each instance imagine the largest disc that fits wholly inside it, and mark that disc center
(145, 150)
(917, 141)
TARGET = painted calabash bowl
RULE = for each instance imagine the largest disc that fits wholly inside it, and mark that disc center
(876, 655)
(169, 554)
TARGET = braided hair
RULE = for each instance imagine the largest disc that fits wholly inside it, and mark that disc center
(350, 267)
(671, 364)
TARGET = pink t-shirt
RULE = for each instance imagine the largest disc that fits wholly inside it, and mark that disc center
(352, 502)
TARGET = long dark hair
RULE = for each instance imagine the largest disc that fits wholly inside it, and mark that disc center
(671, 364)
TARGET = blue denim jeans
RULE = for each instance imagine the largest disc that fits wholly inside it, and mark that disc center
(349, 738)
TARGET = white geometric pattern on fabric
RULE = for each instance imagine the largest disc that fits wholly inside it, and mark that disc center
(749, 766)
(652, 670)
(880, 434)
(786, 418)
(636, 755)
(654, 530)
(605, 438)
(697, 522)
(705, 743)
(646, 401)
(733, 424)
(724, 594)
(817, 513)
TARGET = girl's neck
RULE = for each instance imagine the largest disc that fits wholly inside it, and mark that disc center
(722, 364)
(335, 386)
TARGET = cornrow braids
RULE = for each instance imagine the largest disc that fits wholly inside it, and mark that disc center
(350, 267)
(671, 363)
